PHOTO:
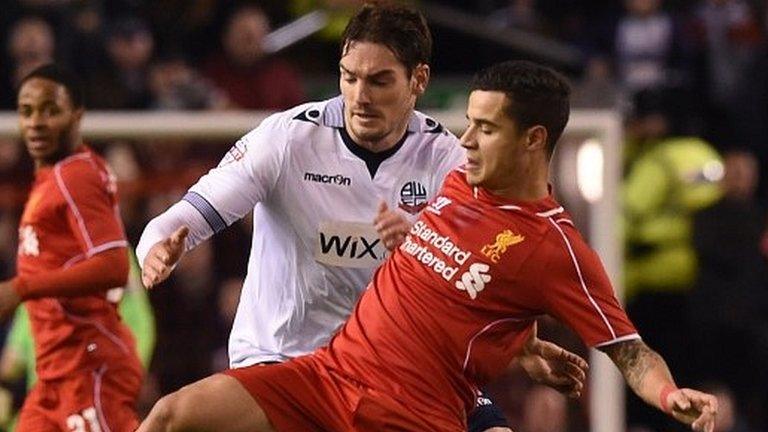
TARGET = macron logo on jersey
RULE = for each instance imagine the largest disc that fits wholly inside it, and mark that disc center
(337, 179)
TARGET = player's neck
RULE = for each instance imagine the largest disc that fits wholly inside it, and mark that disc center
(382, 144)
(64, 152)
(530, 183)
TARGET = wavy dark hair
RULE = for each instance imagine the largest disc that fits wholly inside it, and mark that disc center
(537, 95)
(400, 28)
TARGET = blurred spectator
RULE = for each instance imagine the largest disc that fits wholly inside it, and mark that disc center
(727, 37)
(521, 15)
(251, 79)
(122, 83)
(175, 85)
(31, 43)
(598, 87)
(339, 13)
(186, 321)
(228, 299)
(727, 310)
(545, 410)
(185, 25)
(644, 44)
(668, 179)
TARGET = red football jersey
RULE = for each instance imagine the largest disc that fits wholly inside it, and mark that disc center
(72, 214)
(456, 302)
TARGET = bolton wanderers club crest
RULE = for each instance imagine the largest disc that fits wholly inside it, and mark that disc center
(413, 197)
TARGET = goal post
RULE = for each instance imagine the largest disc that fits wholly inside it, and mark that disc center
(586, 172)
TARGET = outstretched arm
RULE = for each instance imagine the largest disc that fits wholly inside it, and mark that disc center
(156, 253)
(649, 377)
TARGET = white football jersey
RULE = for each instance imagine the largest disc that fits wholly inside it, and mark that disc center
(314, 247)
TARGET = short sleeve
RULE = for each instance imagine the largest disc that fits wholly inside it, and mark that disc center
(92, 211)
(244, 177)
(577, 290)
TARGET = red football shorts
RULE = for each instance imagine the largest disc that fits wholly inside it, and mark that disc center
(304, 395)
(101, 400)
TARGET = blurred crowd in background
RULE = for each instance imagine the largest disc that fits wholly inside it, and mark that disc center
(690, 78)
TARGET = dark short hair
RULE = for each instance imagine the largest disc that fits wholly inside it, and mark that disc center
(401, 29)
(537, 95)
(61, 76)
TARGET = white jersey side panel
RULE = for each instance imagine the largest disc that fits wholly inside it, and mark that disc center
(314, 248)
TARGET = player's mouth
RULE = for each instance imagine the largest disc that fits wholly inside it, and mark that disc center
(472, 164)
(38, 142)
(365, 115)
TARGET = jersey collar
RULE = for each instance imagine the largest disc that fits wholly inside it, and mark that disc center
(544, 207)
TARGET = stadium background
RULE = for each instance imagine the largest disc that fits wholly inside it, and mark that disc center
(699, 65)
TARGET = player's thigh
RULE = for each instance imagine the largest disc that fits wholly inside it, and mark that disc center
(217, 403)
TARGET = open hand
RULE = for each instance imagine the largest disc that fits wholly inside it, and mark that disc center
(693, 407)
(391, 226)
(554, 366)
(162, 258)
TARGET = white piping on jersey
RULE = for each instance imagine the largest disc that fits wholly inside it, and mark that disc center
(484, 329)
(75, 259)
(333, 115)
(509, 207)
(100, 327)
(72, 205)
(97, 378)
(581, 277)
(631, 336)
(106, 246)
(550, 213)
(474, 191)
(564, 220)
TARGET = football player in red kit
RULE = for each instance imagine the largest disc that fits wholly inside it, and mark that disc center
(72, 261)
(458, 299)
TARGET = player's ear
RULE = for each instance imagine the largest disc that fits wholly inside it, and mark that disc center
(536, 138)
(420, 79)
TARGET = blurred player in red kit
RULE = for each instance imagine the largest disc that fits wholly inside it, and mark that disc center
(72, 262)
(457, 301)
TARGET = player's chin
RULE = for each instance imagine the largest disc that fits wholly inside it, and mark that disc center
(474, 179)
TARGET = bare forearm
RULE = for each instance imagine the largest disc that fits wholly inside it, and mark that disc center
(645, 371)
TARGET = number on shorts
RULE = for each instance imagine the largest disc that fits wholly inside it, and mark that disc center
(77, 422)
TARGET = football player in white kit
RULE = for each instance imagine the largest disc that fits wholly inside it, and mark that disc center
(315, 177)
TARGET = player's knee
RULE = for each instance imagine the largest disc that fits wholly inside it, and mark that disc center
(167, 413)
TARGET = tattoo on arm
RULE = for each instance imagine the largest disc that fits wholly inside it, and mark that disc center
(634, 359)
